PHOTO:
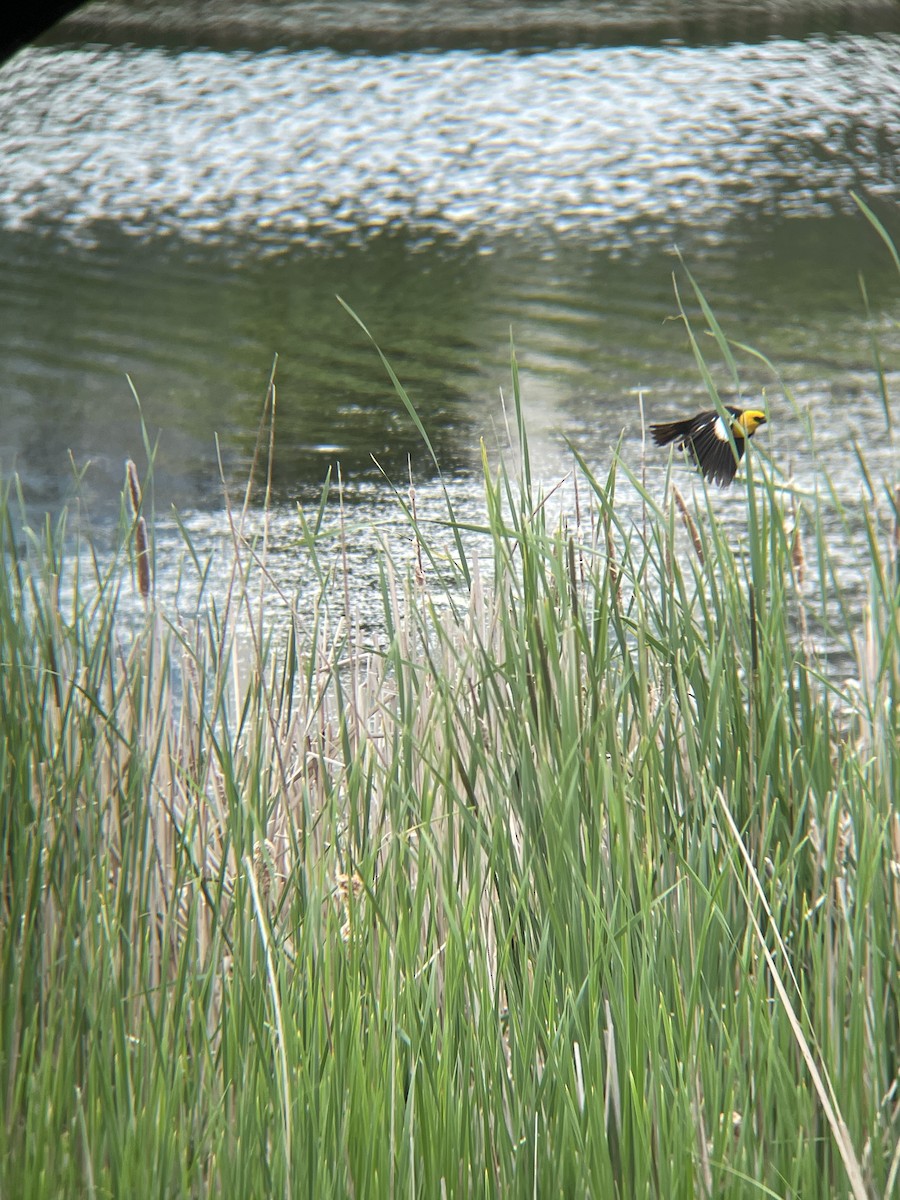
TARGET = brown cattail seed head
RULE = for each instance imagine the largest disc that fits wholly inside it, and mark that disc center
(134, 486)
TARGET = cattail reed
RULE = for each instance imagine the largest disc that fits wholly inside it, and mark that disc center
(689, 524)
(142, 555)
(141, 541)
(134, 487)
(611, 567)
(573, 576)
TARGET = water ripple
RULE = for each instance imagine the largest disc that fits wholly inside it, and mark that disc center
(620, 145)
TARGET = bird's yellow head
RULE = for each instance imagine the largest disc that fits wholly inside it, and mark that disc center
(747, 422)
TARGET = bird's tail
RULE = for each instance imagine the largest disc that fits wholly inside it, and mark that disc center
(671, 431)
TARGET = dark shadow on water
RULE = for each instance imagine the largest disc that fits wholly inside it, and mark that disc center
(397, 26)
(197, 334)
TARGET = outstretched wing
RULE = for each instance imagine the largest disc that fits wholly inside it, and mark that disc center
(712, 451)
(671, 431)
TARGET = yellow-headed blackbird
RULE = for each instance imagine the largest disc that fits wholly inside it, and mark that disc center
(706, 440)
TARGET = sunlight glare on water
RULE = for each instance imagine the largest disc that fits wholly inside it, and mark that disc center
(619, 147)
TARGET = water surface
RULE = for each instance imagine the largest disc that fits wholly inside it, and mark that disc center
(181, 214)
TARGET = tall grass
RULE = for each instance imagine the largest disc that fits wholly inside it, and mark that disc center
(586, 884)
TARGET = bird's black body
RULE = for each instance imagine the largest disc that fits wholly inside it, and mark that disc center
(706, 439)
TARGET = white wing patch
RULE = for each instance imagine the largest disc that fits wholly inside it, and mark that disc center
(719, 430)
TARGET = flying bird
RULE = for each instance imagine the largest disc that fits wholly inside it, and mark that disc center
(705, 438)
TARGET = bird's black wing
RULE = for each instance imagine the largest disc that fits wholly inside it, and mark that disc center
(714, 454)
(671, 431)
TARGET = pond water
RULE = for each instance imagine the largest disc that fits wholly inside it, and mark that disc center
(183, 199)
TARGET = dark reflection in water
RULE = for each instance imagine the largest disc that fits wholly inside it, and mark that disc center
(197, 333)
(391, 26)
